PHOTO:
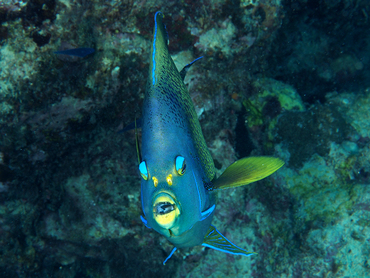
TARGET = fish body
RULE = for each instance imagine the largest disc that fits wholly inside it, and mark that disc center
(170, 129)
(178, 175)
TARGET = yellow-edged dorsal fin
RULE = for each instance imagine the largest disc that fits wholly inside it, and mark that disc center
(247, 170)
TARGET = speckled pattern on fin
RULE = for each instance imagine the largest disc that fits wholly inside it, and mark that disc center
(215, 240)
(247, 170)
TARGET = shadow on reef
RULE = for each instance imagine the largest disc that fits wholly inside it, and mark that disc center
(243, 144)
(56, 233)
(321, 47)
(315, 130)
(118, 263)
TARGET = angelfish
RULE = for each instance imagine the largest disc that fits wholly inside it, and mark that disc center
(178, 184)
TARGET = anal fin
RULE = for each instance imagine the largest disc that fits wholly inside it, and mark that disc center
(215, 240)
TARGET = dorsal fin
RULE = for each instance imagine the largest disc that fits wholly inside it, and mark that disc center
(159, 47)
(166, 91)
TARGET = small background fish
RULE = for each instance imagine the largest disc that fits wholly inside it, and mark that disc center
(69, 53)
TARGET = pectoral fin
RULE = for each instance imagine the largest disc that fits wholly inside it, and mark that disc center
(214, 239)
(187, 67)
(247, 170)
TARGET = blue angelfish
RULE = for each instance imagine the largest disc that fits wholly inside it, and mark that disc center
(178, 174)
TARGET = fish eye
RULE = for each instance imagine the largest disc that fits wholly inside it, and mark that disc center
(144, 170)
(180, 165)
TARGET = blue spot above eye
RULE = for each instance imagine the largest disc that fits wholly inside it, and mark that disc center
(180, 165)
(144, 170)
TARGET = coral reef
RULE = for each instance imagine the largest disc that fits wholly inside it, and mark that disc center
(317, 53)
(315, 130)
(278, 77)
(218, 39)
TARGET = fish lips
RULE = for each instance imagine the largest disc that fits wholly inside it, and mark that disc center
(166, 210)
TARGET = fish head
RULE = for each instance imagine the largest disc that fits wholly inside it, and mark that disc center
(173, 195)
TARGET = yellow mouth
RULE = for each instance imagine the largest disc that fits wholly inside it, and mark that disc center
(165, 210)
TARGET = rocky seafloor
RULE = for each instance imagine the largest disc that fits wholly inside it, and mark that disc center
(284, 78)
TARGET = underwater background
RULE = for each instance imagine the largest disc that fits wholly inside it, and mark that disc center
(287, 78)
